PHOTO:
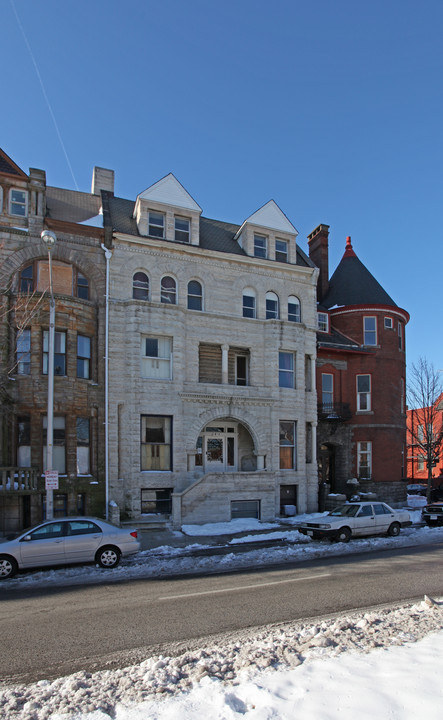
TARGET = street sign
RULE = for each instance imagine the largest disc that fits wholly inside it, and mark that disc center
(51, 480)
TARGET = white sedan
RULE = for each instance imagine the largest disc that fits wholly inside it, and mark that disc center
(357, 519)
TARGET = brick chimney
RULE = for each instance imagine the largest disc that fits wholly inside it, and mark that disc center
(318, 242)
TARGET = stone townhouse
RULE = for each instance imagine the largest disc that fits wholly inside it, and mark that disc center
(27, 207)
(212, 348)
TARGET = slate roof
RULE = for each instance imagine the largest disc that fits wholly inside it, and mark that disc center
(8, 166)
(335, 339)
(214, 234)
(353, 284)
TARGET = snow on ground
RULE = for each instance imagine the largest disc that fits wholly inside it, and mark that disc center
(382, 663)
(373, 664)
(166, 560)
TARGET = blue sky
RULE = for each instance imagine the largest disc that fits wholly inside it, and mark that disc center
(333, 108)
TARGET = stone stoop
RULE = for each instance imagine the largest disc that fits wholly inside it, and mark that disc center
(147, 523)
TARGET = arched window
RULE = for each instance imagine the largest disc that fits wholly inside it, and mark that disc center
(294, 311)
(82, 286)
(140, 286)
(195, 295)
(27, 279)
(249, 304)
(272, 306)
(168, 292)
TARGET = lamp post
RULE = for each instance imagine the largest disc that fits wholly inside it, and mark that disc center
(49, 238)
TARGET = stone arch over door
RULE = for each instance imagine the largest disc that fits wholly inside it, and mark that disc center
(229, 412)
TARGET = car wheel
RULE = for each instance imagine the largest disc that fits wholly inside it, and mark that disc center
(108, 557)
(394, 529)
(344, 535)
(8, 567)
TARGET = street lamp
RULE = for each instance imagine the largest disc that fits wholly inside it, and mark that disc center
(49, 238)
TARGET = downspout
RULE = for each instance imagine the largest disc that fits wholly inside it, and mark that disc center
(108, 256)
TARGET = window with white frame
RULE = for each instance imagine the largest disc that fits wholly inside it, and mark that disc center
(286, 369)
(156, 442)
(18, 202)
(59, 352)
(156, 224)
(327, 391)
(322, 322)
(272, 306)
(249, 303)
(182, 229)
(156, 357)
(83, 446)
(58, 446)
(389, 323)
(421, 462)
(140, 286)
(288, 445)
(294, 309)
(195, 295)
(363, 392)
(83, 356)
(281, 250)
(168, 293)
(364, 460)
(260, 246)
(23, 352)
(370, 330)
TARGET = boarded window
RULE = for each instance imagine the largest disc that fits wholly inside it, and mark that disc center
(210, 363)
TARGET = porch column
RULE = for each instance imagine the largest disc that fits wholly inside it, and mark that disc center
(191, 461)
(314, 443)
(225, 350)
(260, 462)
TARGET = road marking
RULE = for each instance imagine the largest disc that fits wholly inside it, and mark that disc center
(243, 587)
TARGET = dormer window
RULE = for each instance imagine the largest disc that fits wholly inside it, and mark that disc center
(156, 224)
(18, 203)
(260, 246)
(322, 322)
(182, 229)
(281, 251)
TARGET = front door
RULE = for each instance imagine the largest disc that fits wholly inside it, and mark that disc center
(220, 449)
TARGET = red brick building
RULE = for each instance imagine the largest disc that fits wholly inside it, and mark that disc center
(361, 372)
(422, 439)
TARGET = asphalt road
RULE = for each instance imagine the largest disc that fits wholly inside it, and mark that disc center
(49, 633)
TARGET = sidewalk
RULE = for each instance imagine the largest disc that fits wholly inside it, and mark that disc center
(157, 538)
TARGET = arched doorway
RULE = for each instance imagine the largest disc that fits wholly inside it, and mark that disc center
(225, 445)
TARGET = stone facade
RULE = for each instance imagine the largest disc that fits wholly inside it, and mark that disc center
(79, 289)
(214, 389)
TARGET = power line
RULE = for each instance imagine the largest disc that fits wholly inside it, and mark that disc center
(44, 92)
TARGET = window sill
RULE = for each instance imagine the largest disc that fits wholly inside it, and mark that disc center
(364, 412)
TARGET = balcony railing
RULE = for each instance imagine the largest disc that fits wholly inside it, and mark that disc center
(18, 479)
(334, 412)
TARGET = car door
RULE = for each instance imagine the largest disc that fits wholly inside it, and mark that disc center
(384, 517)
(44, 546)
(83, 538)
(364, 522)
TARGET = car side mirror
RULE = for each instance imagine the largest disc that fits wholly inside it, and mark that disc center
(26, 538)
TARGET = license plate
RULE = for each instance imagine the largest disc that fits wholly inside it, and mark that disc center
(310, 532)
(433, 517)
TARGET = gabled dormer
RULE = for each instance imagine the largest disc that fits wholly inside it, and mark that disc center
(268, 234)
(167, 211)
(21, 195)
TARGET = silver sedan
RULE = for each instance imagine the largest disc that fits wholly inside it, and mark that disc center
(65, 541)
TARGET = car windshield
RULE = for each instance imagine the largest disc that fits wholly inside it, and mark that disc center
(345, 511)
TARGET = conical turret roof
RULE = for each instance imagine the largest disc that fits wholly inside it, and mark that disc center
(353, 284)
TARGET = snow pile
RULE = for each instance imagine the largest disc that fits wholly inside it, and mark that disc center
(233, 675)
